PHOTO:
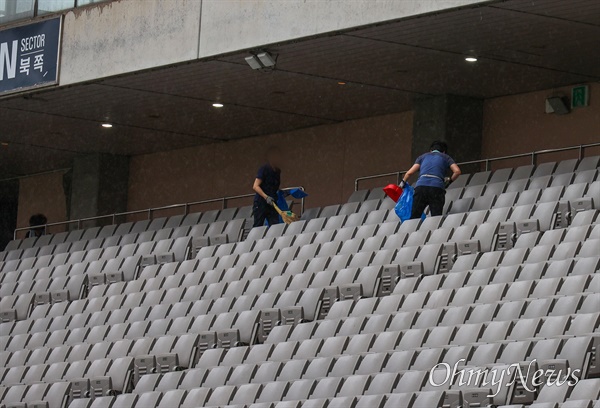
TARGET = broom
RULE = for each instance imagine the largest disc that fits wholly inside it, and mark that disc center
(287, 216)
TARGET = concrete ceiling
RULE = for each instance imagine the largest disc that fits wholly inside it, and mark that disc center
(522, 46)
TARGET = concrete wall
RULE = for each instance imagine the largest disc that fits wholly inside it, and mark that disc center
(230, 25)
(42, 194)
(124, 35)
(324, 159)
(327, 159)
(519, 124)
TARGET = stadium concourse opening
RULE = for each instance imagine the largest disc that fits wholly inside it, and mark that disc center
(146, 263)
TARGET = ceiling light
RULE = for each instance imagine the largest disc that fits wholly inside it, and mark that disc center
(253, 62)
(106, 125)
(261, 60)
(341, 83)
(217, 105)
(4, 144)
(266, 59)
(471, 59)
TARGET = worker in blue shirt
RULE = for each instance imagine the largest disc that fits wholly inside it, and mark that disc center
(430, 190)
(266, 186)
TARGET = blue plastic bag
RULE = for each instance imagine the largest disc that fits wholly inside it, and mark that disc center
(405, 202)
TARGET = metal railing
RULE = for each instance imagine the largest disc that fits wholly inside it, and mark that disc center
(186, 206)
(150, 211)
(534, 155)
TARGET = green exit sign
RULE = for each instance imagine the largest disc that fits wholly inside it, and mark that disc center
(580, 96)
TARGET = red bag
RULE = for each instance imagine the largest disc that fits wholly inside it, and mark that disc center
(393, 191)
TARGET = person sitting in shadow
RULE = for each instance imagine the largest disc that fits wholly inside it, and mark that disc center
(37, 224)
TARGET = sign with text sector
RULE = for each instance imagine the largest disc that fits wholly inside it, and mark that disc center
(29, 56)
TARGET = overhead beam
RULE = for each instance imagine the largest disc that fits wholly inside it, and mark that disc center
(118, 37)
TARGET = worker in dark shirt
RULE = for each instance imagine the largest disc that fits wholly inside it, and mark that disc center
(430, 190)
(266, 186)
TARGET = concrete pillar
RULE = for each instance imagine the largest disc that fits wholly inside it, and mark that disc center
(99, 186)
(458, 120)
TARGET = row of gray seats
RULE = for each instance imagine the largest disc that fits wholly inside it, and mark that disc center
(465, 309)
(167, 250)
(121, 268)
(98, 243)
(414, 338)
(87, 265)
(133, 227)
(118, 370)
(202, 397)
(477, 201)
(560, 185)
(521, 255)
(591, 245)
(36, 395)
(38, 336)
(390, 362)
(206, 397)
(588, 164)
(475, 294)
(502, 254)
(486, 197)
(37, 257)
(73, 285)
(175, 314)
(522, 328)
(387, 373)
(341, 228)
(543, 211)
(529, 171)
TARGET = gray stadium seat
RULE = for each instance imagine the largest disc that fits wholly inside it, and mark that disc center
(544, 169)
(358, 196)
(474, 191)
(562, 180)
(539, 182)
(460, 206)
(501, 175)
(480, 178)
(461, 181)
(586, 176)
(566, 166)
(588, 163)
(551, 194)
